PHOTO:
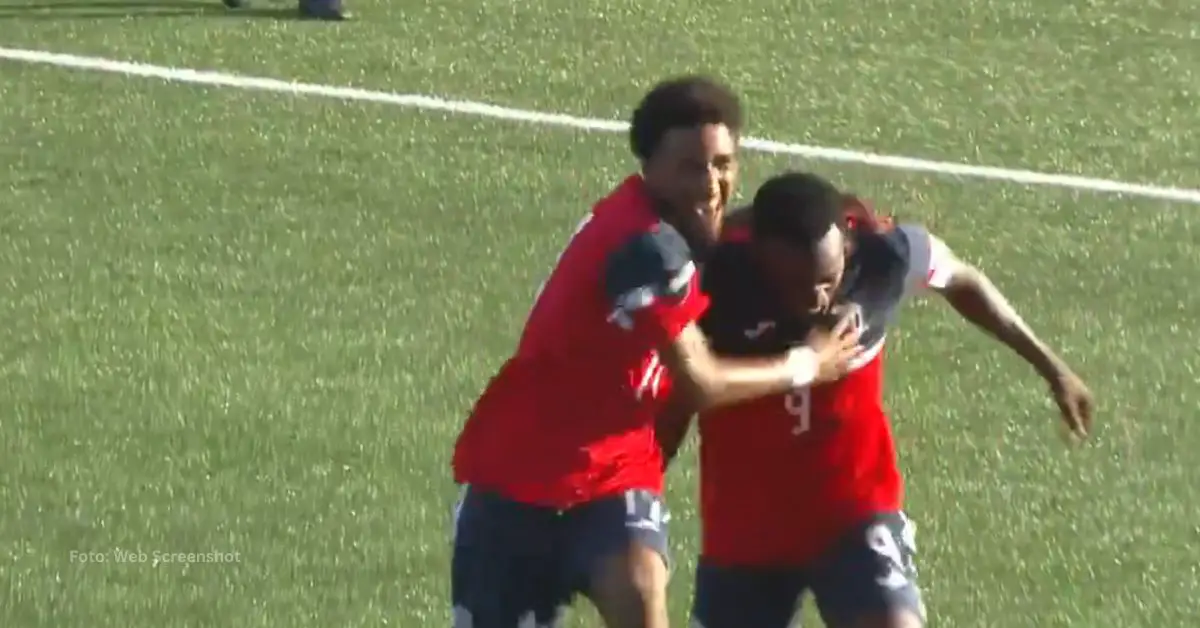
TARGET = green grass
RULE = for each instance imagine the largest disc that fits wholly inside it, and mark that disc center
(252, 323)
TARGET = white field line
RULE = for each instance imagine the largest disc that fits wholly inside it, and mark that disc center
(466, 107)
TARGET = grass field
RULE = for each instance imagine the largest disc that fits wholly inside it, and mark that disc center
(247, 322)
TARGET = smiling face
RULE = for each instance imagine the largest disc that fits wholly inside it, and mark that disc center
(694, 172)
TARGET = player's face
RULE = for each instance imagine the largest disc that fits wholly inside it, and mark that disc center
(695, 170)
(806, 281)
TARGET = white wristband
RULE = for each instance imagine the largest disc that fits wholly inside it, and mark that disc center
(803, 363)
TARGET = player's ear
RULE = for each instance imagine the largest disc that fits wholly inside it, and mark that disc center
(858, 213)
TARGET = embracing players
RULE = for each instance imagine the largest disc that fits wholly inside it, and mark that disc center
(562, 471)
(801, 491)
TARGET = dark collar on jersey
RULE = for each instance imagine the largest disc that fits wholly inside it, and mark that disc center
(851, 273)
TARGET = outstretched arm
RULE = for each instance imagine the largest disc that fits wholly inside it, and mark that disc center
(978, 301)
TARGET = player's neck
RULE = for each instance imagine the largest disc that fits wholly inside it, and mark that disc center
(658, 204)
(666, 212)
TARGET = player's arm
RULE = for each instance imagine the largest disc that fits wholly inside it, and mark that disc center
(703, 381)
(652, 284)
(968, 290)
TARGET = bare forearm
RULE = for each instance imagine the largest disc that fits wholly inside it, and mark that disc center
(974, 296)
(724, 381)
(703, 380)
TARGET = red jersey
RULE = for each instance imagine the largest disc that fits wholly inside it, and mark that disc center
(570, 416)
(784, 477)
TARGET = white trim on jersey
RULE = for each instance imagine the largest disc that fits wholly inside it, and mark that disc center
(682, 278)
(645, 296)
(941, 267)
(867, 356)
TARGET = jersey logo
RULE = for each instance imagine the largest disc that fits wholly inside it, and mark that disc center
(760, 329)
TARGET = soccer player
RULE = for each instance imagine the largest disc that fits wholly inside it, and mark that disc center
(801, 491)
(563, 474)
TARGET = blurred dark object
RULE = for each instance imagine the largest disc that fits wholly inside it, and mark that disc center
(326, 10)
(329, 10)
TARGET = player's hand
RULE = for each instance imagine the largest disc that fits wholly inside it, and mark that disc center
(1074, 402)
(835, 348)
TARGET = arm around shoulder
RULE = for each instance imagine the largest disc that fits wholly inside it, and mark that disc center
(704, 380)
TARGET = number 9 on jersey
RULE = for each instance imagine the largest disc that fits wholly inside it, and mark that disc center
(798, 404)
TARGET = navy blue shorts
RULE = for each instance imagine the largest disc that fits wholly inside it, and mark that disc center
(513, 561)
(870, 571)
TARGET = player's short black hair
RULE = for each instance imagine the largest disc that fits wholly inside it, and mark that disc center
(798, 207)
(683, 102)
